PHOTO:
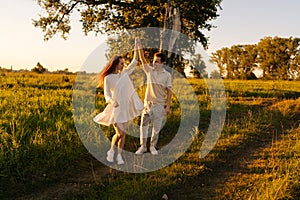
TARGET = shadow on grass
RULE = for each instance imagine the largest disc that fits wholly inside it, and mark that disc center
(223, 163)
(273, 93)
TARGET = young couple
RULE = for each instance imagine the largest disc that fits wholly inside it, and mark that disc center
(124, 103)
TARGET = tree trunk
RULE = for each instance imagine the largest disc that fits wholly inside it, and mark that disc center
(170, 33)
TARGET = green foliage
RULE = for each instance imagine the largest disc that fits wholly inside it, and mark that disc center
(237, 62)
(113, 16)
(277, 58)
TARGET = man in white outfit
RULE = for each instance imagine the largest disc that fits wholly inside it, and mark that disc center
(157, 99)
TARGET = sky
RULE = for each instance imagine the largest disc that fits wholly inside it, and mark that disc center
(240, 22)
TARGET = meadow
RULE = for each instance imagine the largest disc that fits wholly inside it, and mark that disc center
(256, 156)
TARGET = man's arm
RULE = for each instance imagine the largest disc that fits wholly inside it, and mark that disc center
(168, 100)
(135, 54)
(169, 93)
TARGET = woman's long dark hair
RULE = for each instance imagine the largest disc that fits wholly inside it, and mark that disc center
(109, 68)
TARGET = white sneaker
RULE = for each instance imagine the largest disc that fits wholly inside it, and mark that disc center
(153, 151)
(141, 150)
(120, 160)
(110, 156)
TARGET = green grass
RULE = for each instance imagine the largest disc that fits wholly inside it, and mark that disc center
(273, 173)
(39, 146)
(37, 136)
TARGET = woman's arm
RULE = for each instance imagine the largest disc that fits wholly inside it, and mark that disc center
(107, 93)
(134, 61)
(145, 64)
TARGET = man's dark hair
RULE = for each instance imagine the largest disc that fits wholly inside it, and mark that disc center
(162, 56)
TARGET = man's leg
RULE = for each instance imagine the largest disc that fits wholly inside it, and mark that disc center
(158, 115)
(145, 120)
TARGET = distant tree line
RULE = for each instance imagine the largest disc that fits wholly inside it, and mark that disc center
(40, 69)
(277, 59)
(5, 70)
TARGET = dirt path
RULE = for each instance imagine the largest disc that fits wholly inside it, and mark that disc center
(207, 184)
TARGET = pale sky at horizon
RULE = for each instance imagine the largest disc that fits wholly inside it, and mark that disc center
(240, 22)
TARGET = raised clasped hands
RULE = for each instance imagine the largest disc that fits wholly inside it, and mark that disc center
(138, 43)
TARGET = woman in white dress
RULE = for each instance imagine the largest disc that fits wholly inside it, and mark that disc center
(123, 101)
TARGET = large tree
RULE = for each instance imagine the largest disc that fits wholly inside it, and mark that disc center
(294, 55)
(114, 16)
(277, 57)
(221, 59)
(103, 16)
(241, 62)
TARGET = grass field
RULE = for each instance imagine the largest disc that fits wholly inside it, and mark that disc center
(256, 157)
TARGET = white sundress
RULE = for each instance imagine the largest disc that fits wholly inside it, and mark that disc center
(130, 105)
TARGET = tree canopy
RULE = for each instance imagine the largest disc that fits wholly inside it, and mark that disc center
(103, 16)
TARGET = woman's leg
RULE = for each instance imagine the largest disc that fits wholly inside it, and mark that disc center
(115, 138)
(121, 133)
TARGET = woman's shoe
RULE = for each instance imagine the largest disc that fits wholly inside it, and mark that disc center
(120, 160)
(110, 156)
